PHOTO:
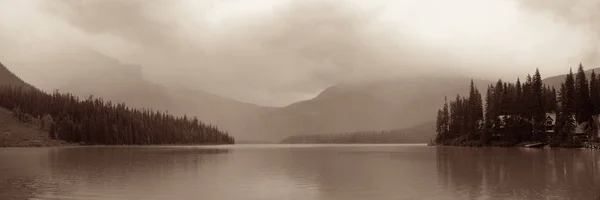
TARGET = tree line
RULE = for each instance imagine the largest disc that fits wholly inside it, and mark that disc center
(364, 137)
(517, 112)
(95, 121)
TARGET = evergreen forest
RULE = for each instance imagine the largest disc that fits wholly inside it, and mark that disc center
(509, 114)
(95, 121)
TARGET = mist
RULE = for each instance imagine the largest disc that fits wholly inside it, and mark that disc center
(276, 52)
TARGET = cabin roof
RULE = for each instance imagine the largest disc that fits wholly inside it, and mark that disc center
(551, 116)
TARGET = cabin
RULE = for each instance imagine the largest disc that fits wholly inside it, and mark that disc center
(581, 130)
(580, 133)
(550, 122)
(502, 122)
(595, 121)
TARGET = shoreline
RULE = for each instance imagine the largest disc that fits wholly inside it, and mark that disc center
(584, 145)
(201, 145)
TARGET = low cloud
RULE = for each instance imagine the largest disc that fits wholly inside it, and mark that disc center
(275, 52)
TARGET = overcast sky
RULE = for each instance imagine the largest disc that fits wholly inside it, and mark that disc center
(275, 52)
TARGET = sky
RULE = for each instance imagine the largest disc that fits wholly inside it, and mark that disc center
(276, 52)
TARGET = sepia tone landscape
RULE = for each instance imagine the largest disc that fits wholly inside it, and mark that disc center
(299, 99)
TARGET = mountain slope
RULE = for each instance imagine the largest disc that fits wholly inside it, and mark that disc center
(422, 133)
(13, 132)
(364, 106)
(8, 78)
(556, 81)
(94, 73)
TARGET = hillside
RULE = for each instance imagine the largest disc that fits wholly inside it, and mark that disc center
(365, 106)
(95, 121)
(362, 106)
(14, 133)
(349, 107)
(422, 133)
(93, 73)
(556, 81)
(8, 78)
(391, 104)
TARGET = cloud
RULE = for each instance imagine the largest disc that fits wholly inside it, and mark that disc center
(275, 52)
(583, 14)
(131, 19)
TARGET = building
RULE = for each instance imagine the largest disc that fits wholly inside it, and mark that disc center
(580, 133)
(550, 122)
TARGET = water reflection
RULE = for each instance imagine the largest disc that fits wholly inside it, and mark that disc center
(94, 172)
(297, 173)
(377, 172)
(498, 173)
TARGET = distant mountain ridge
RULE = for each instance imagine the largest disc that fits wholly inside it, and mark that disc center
(376, 105)
(367, 106)
(556, 81)
(388, 104)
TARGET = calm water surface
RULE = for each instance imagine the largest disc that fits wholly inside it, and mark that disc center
(302, 172)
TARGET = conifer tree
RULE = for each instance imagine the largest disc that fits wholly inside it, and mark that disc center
(595, 93)
(527, 99)
(488, 131)
(569, 93)
(519, 98)
(517, 112)
(553, 101)
(439, 123)
(475, 108)
(94, 121)
(583, 105)
(562, 129)
(539, 112)
(445, 116)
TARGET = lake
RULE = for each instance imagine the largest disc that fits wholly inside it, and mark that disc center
(302, 172)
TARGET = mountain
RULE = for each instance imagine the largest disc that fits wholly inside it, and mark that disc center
(422, 133)
(14, 132)
(8, 78)
(363, 106)
(556, 81)
(390, 104)
(91, 73)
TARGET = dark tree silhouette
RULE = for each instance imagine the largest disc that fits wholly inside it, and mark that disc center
(582, 104)
(518, 112)
(94, 121)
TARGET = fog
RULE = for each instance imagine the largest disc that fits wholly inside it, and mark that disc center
(276, 52)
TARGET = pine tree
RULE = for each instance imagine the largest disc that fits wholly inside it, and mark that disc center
(455, 122)
(527, 99)
(595, 93)
(446, 116)
(439, 124)
(539, 114)
(488, 131)
(569, 93)
(475, 111)
(519, 106)
(583, 107)
(562, 128)
(94, 121)
(553, 101)
(499, 98)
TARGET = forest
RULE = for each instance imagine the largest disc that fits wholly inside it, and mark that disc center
(528, 112)
(364, 137)
(94, 121)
